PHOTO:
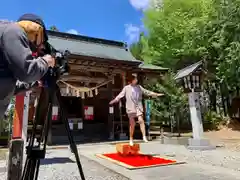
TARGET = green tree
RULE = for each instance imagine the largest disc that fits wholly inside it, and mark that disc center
(220, 43)
(54, 28)
(137, 48)
(173, 105)
(170, 30)
(175, 33)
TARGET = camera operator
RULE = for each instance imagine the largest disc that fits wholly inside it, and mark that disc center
(18, 41)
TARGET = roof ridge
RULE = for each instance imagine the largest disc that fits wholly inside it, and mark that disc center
(86, 38)
(88, 42)
(197, 64)
(187, 67)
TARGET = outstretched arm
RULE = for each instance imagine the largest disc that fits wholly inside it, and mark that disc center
(150, 93)
(119, 96)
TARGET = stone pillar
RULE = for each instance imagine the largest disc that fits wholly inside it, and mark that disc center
(197, 142)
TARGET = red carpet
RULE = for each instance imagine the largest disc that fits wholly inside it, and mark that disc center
(139, 161)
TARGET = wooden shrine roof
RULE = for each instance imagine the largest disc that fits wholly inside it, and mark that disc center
(93, 62)
(188, 70)
(91, 47)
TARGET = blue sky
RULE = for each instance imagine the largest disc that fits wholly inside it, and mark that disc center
(110, 19)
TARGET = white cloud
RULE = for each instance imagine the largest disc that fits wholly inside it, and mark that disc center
(132, 32)
(72, 31)
(140, 4)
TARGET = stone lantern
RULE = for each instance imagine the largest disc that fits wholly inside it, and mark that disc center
(191, 78)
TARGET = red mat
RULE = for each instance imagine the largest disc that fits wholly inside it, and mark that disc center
(139, 161)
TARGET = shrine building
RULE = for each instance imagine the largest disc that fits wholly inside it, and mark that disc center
(98, 71)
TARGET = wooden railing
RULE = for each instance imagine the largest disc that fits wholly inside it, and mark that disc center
(157, 126)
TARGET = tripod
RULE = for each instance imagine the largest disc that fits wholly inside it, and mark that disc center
(37, 152)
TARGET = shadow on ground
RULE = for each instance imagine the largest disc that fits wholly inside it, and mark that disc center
(56, 160)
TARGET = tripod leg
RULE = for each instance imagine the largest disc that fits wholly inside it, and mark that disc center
(32, 169)
(37, 169)
(70, 137)
(34, 151)
(25, 171)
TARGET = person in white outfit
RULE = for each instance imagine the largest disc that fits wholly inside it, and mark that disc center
(134, 107)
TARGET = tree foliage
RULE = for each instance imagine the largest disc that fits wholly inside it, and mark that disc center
(54, 28)
(220, 44)
(173, 103)
(137, 48)
(172, 29)
(182, 32)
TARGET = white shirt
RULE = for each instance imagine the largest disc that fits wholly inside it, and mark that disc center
(135, 92)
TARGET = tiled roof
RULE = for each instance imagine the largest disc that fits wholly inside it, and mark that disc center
(88, 46)
(151, 67)
(188, 70)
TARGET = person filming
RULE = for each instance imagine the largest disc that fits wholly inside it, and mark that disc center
(134, 108)
(18, 41)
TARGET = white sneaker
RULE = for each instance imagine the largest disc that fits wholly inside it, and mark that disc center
(145, 139)
(131, 143)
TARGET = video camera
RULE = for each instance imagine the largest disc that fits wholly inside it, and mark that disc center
(61, 59)
(61, 67)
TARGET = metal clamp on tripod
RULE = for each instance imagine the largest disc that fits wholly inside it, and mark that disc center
(37, 150)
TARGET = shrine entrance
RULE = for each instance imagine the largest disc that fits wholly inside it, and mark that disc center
(98, 71)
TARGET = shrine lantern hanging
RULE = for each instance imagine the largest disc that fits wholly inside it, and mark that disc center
(192, 82)
(191, 77)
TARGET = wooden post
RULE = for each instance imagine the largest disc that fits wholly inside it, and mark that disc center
(148, 116)
(111, 112)
(15, 160)
(162, 134)
(18, 117)
(25, 116)
(122, 135)
(83, 104)
(124, 79)
(19, 137)
(49, 139)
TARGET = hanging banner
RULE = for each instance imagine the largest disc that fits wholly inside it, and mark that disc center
(148, 111)
(54, 113)
(88, 113)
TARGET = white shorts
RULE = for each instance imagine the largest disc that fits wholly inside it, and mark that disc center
(135, 114)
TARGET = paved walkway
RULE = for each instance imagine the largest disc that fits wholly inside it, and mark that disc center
(218, 164)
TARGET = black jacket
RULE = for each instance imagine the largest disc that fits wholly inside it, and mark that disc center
(16, 62)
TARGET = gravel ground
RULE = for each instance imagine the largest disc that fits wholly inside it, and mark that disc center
(219, 164)
(219, 157)
(59, 165)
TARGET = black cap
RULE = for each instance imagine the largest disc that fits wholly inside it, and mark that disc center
(36, 19)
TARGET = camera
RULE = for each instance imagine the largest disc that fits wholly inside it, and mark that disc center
(61, 58)
(61, 64)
